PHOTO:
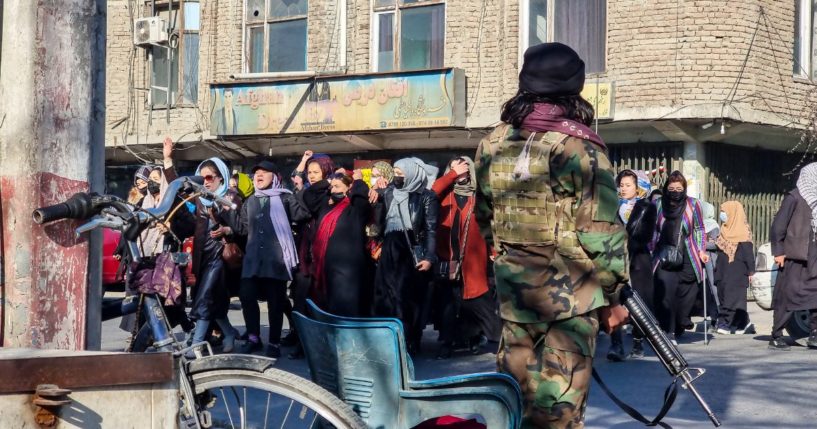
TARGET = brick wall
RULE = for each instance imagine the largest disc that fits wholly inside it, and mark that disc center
(667, 58)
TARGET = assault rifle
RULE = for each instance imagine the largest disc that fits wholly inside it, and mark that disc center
(667, 353)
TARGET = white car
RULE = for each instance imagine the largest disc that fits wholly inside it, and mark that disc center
(762, 288)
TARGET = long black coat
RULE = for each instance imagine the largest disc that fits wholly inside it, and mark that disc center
(263, 256)
(796, 286)
(424, 209)
(211, 296)
(732, 278)
(347, 267)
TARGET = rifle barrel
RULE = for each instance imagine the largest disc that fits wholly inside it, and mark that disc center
(688, 384)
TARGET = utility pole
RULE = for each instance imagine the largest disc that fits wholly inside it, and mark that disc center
(52, 113)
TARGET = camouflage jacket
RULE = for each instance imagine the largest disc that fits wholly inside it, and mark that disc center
(584, 266)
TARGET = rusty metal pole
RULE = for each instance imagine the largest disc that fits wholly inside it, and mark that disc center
(52, 111)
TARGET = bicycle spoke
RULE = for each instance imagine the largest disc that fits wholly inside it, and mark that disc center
(244, 415)
(286, 416)
(314, 419)
(266, 411)
(241, 408)
(227, 407)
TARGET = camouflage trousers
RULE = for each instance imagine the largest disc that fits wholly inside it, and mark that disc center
(553, 363)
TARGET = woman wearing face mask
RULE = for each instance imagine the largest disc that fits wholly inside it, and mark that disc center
(271, 256)
(639, 216)
(214, 225)
(408, 219)
(140, 186)
(736, 265)
(469, 311)
(340, 265)
(680, 225)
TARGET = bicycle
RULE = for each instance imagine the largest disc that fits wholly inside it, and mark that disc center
(214, 390)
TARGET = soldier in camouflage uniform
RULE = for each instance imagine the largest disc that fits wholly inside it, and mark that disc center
(547, 202)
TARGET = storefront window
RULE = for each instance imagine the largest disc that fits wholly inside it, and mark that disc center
(276, 35)
(408, 35)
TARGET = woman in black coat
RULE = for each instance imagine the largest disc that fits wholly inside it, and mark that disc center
(271, 254)
(340, 263)
(214, 226)
(408, 219)
(639, 215)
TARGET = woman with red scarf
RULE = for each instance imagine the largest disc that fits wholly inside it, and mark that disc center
(470, 311)
(339, 260)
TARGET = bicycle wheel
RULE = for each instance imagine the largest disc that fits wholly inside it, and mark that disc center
(242, 391)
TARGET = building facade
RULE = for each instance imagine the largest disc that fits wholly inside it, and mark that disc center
(720, 90)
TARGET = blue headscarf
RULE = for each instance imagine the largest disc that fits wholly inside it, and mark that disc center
(223, 171)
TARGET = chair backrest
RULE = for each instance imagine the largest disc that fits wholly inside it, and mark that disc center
(407, 364)
(359, 362)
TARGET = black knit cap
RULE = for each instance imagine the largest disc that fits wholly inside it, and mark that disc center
(552, 69)
(265, 165)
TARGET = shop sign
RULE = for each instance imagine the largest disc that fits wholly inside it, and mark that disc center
(600, 95)
(393, 101)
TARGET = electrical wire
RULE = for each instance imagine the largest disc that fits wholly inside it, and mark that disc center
(473, 102)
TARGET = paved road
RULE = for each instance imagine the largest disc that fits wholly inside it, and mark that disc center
(747, 385)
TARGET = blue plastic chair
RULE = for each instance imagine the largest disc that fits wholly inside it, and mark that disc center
(364, 362)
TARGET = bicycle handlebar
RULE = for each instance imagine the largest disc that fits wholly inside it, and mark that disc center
(77, 207)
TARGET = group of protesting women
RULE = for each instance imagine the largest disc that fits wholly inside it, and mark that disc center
(679, 251)
(403, 244)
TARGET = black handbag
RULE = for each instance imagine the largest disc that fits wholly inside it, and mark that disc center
(670, 257)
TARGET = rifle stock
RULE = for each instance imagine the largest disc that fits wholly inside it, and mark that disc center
(667, 353)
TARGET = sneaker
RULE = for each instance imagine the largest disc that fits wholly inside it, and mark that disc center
(273, 351)
(228, 342)
(749, 329)
(724, 330)
(250, 347)
(297, 354)
(616, 353)
(811, 342)
(638, 350)
(778, 344)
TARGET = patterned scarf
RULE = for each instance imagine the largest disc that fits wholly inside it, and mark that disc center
(643, 188)
(468, 189)
(807, 185)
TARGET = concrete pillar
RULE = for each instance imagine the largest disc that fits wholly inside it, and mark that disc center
(52, 111)
(693, 168)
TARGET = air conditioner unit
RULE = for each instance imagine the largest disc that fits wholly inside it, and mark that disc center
(149, 31)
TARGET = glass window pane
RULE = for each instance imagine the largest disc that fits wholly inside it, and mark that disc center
(256, 51)
(287, 8)
(192, 16)
(287, 46)
(798, 21)
(160, 75)
(254, 11)
(385, 42)
(582, 25)
(422, 37)
(190, 76)
(537, 22)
